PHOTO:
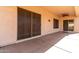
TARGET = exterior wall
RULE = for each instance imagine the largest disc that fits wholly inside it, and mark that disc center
(77, 11)
(8, 18)
(76, 22)
(76, 19)
(8, 23)
(46, 27)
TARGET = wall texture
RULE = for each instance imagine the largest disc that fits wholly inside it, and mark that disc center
(8, 18)
(8, 23)
(46, 27)
(76, 24)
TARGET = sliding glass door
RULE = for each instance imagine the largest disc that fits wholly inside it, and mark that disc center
(29, 24)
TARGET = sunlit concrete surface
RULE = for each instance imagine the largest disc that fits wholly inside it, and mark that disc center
(67, 45)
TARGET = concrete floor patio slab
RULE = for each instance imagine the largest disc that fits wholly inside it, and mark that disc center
(37, 45)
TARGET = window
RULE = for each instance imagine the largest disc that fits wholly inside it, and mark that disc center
(56, 23)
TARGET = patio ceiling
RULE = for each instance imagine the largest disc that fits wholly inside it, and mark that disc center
(60, 10)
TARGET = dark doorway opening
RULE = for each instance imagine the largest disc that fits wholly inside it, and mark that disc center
(68, 25)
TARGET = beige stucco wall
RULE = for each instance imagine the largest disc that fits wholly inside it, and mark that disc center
(8, 23)
(46, 27)
(76, 24)
(8, 18)
(77, 10)
(76, 19)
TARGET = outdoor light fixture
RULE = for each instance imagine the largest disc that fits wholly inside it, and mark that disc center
(49, 20)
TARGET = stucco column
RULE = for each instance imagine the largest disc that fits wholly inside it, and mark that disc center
(76, 24)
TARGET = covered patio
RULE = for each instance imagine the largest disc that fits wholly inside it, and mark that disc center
(63, 41)
(38, 29)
